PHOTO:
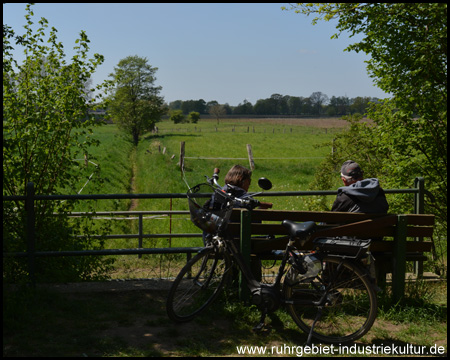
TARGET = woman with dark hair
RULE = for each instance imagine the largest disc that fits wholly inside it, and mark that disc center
(238, 180)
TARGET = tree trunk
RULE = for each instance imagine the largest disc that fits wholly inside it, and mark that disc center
(135, 137)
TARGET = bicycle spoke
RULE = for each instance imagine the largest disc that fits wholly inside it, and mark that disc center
(197, 285)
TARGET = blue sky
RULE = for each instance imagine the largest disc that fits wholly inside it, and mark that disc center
(223, 52)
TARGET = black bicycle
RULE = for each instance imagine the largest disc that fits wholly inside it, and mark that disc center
(328, 292)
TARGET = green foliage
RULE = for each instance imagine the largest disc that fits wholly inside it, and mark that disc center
(407, 44)
(194, 117)
(135, 104)
(45, 127)
(177, 116)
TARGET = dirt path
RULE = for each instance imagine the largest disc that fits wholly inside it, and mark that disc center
(128, 318)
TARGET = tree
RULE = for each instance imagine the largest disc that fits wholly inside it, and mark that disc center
(210, 104)
(175, 105)
(360, 104)
(135, 104)
(318, 99)
(194, 117)
(217, 111)
(194, 105)
(245, 108)
(263, 107)
(45, 127)
(280, 103)
(177, 116)
(295, 105)
(407, 44)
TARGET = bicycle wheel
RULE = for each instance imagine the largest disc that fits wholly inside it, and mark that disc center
(350, 308)
(198, 284)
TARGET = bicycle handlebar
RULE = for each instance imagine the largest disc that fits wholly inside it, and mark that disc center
(247, 202)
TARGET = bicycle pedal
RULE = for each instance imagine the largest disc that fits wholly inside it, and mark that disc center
(258, 327)
(262, 329)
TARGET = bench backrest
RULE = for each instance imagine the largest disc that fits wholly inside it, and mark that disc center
(268, 222)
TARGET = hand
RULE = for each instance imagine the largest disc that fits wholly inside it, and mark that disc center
(265, 205)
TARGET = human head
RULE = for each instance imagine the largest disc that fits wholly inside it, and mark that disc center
(239, 176)
(351, 172)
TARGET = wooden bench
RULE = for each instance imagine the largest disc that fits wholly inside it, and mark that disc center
(390, 254)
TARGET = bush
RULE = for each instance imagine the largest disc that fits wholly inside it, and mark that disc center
(177, 116)
(194, 117)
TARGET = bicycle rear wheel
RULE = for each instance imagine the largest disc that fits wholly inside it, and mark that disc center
(350, 308)
(198, 284)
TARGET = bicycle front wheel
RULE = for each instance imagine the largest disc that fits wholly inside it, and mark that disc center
(346, 303)
(198, 284)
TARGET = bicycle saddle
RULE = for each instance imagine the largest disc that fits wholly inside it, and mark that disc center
(300, 231)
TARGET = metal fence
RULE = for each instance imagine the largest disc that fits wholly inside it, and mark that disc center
(418, 191)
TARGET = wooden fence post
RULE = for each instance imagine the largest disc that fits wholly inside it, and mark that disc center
(181, 157)
(31, 236)
(250, 157)
(141, 232)
(419, 202)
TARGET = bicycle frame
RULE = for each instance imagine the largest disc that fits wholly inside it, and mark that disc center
(252, 283)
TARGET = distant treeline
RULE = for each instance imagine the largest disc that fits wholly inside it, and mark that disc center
(317, 104)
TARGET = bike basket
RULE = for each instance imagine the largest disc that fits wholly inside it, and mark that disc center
(353, 248)
(209, 212)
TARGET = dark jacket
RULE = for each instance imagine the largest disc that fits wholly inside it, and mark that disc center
(217, 203)
(364, 196)
(234, 190)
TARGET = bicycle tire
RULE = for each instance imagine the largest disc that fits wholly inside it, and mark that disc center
(351, 306)
(198, 284)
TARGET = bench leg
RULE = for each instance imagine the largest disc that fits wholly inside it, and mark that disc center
(245, 248)
(380, 274)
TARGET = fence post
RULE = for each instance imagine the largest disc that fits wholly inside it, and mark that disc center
(31, 236)
(250, 157)
(182, 157)
(419, 206)
(419, 197)
(140, 234)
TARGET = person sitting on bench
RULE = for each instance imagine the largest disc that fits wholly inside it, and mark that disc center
(359, 195)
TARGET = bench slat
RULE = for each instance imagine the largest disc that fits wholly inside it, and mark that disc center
(326, 216)
(278, 229)
(421, 219)
(411, 246)
(376, 246)
(317, 216)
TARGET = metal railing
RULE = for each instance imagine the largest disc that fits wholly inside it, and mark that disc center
(30, 198)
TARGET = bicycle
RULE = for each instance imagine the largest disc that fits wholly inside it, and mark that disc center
(328, 293)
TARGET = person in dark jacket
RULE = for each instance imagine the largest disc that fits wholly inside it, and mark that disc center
(359, 195)
(237, 182)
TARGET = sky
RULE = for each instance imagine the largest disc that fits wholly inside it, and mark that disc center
(227, 52)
